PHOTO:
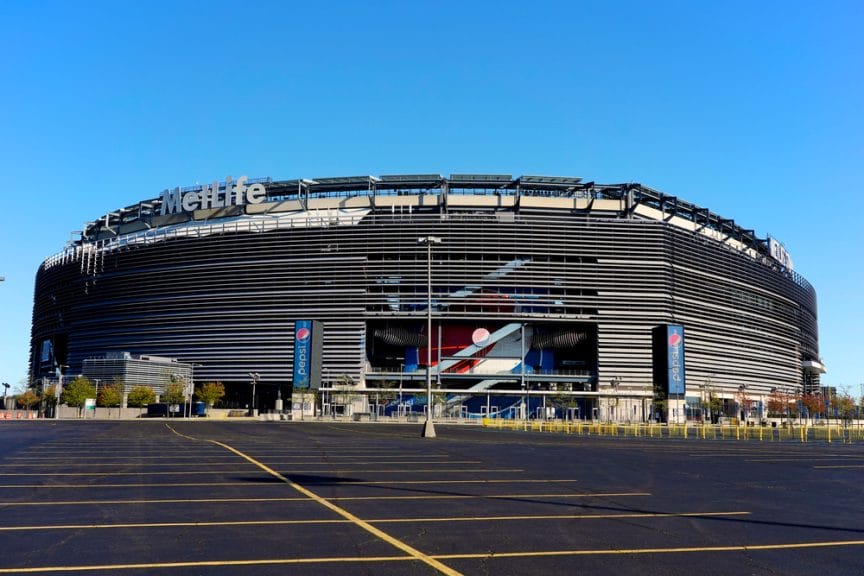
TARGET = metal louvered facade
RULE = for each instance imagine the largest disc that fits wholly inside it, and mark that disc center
(587, 269)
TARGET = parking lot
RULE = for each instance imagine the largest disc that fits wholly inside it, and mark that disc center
(219, 498)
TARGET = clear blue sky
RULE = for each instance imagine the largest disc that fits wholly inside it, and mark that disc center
(751, 109)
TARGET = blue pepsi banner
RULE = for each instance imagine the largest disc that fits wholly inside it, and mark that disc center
(675, 358)
(302, 353)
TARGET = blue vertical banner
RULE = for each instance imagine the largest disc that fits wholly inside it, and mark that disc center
(675, 358)
(302, 353)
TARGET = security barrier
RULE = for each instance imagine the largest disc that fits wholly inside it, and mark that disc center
(846, 434)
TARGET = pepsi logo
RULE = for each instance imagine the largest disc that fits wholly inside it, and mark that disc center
(480, 336)
(302, 334)
(675, 339)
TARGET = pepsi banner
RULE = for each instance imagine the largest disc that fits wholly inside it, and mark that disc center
(675, 358)
(668, 357)
(308, 344)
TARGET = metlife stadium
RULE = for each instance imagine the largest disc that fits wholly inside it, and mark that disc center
(613, 298)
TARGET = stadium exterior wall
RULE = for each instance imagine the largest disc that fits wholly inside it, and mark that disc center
(221, 288)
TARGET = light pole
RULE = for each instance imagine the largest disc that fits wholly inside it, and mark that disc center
(5, 396)
(96, 380)
(255, 377)
(429, 427)
(58, 390)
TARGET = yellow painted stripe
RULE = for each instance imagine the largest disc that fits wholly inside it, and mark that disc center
(203, 524)
(137, 485)
(480, 556)
(628, 551)
(243, 471)
(492, 496)
(206, 563)
(233, 462)
(264, 484)
(160, 454)
(436, 482)
(410, 550)
(139, 502)
(304, 499)
(168, 525)
(558, 517)
(826, 467)
(101, 474)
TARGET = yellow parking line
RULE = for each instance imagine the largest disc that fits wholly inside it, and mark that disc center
(245, 471)
(203, 524)
(138, 485)
(161, 454)
(168, 525)
(304, 499)
(629, 551)
(410, 550)
(493, 496)
(100, 474)
(480, 556)
(488, 481)
(207, 563)
(158, 501)
(233, 462)
(261, 484)
(558, 517)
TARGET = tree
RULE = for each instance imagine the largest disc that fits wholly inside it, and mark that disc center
(715, 406)
(76, 392)
(110, 395)
(845, 406)
(50, 398)
(777, 403)
(210, 393)
(27, 399)
(175, 392)
(743, 400)
(141, 396)
(814, 404)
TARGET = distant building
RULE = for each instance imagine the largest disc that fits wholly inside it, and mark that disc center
(153, 371)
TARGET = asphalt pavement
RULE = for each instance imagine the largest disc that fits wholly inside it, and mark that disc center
(253, 498)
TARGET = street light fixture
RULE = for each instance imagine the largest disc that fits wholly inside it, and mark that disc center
(255, 377)
(58, 390)
(429, 426)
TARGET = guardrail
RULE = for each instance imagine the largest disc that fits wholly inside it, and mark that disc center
(833, 433)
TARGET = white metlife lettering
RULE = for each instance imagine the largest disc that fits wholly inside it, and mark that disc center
(213, 196)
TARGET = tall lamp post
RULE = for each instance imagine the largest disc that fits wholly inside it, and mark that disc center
(429, 426)
(58, 390)
(5, 396)
(255, 377)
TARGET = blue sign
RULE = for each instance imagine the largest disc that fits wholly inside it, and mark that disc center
(675, 358)
(302, 353)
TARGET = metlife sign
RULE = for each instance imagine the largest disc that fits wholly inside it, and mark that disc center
(214, 195)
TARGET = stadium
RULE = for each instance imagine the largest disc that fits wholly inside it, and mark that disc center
(611, 301)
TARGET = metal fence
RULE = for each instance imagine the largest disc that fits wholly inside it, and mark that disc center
(826, 433)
